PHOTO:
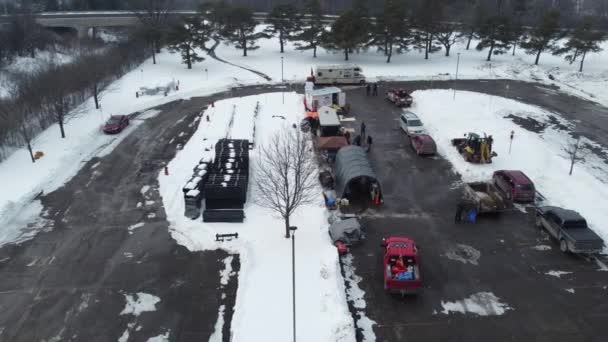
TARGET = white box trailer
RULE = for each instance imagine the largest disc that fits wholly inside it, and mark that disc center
(329, 122)
(339, 74)
(317, 98)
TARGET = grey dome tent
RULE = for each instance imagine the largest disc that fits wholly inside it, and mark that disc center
(355, 177)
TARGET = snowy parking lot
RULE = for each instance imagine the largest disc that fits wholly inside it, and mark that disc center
(102, 207)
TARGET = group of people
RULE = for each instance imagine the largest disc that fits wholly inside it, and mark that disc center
(371, 88)
(361, 138)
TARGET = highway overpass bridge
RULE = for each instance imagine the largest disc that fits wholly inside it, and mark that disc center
(82, 22)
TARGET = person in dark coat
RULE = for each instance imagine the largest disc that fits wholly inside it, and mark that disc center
(347, 136)
(369, 143)
(375, 91)
(459, 211)
(357, 140)
(363, 129)
(368, 88)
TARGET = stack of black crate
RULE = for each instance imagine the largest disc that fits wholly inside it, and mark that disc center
(227, 181)
(194, 188)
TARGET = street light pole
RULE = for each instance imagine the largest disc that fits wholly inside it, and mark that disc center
(293, 276)
(457, 65)
(282, 78)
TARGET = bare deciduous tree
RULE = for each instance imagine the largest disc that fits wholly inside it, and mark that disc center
(285, 174)
(576, 153)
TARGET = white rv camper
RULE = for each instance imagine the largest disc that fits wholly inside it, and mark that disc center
(339, 74)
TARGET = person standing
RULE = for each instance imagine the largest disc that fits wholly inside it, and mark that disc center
(368, 88)
(357, 140)
(347, 136)
(363, 129)
(459, 211)
(369, 143)
(375, 91)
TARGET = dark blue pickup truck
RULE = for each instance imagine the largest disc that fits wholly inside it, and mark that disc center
(570, 229)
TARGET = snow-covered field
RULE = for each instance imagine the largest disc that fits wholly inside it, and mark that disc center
(539, 155)
(64, 157)
(21, 180)
(413, 66)
(264, 294)
(263, 303)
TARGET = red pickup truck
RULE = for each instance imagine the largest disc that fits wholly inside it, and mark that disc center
(401, 265)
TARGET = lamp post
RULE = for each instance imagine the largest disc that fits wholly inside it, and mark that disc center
(282, 78)
(293, 276)
(457, 65)
(456, 78)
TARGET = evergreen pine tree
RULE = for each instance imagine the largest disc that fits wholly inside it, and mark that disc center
(391, 32)
(495, 34)
(240, 29)
(309, 35)
(585, 38)
(283, 20)
(186, 36)
(347, 33)
(544, 37)
(428, 16)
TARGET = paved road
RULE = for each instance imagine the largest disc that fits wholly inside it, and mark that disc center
(70, 283)
(420, 196)
(74, 277)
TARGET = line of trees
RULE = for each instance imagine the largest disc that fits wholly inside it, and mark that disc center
(54, 94)
(397, 27)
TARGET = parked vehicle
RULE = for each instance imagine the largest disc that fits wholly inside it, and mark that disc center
(423, 144)
(486, 197)
(570, 229)
(346, 233)
(329, 122)
(329, 96)
(475, 149)
(116, 123)
(401, 265)
(338, 74)
(400, 97)
(515, 185)
(411, 124)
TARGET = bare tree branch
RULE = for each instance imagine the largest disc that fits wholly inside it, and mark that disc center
(285, 174)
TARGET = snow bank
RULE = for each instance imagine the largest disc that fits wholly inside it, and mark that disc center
(138, 303)
(481, 303)
(539, 155)
(263, 303)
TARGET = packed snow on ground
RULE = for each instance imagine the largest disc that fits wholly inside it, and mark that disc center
(557, 274)
(538, 155)
(481, 303)
(263, 304)
(412, 66)
(355, 296)
(160, 338)
(63, 158)
(138, 303)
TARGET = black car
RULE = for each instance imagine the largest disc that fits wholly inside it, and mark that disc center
(570, 229)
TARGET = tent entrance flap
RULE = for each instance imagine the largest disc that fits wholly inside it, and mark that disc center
(355, 178)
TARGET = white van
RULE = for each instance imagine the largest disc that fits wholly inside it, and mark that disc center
(411, 124)
(339, 74)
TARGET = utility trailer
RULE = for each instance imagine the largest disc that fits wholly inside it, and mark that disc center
(486, 197)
